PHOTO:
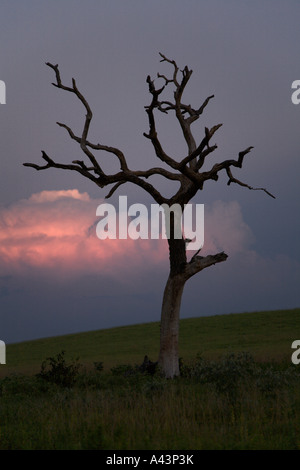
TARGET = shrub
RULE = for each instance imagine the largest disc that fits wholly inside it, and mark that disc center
(124, 370)
(226, 374)
(147, 367)
(56, 370)
(234, 371)
(18, 385)
(271, 380)
(98, 366)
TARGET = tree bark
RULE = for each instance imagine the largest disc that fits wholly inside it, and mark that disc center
(170, 314)
(169, 327)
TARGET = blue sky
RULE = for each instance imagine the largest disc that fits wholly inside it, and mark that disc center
(246, 54)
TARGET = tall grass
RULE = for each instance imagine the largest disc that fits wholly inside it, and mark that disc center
(254, 406)
(223, 399)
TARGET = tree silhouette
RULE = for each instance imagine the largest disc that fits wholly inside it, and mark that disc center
(187, 172)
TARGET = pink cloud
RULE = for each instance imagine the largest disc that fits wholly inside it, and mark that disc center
(55, 231)
(225, 229)
(50, 196)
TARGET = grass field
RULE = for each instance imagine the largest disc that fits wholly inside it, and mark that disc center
(267, 335)
(238, 388)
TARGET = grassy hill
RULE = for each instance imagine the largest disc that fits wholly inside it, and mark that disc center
(266, 335)
(220, 401)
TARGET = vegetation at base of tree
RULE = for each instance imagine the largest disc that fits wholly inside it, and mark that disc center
(238, 388)
(267, 335)
(234, 402)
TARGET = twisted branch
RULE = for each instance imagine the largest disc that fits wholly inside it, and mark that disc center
(88, 116)
(187, 170)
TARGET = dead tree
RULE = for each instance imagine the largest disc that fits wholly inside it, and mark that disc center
(187, 172)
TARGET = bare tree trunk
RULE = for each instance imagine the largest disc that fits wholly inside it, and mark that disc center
(170, 313)
(169, 329)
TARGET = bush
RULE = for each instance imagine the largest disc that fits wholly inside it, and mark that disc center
(271, 380)
(56, 370)
(124, 370)
(98, 366)
(147, 367)
(19, 385)
(226, 375)
(234, 371)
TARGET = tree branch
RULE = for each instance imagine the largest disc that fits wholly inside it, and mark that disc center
(158, 171)
(88, 116)
(79, 167)
(152, 132)
(198, 263)
(115, 151)
(165, 59)
(199, 150)
(187, 170)
(235, 180)
(114, 188)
